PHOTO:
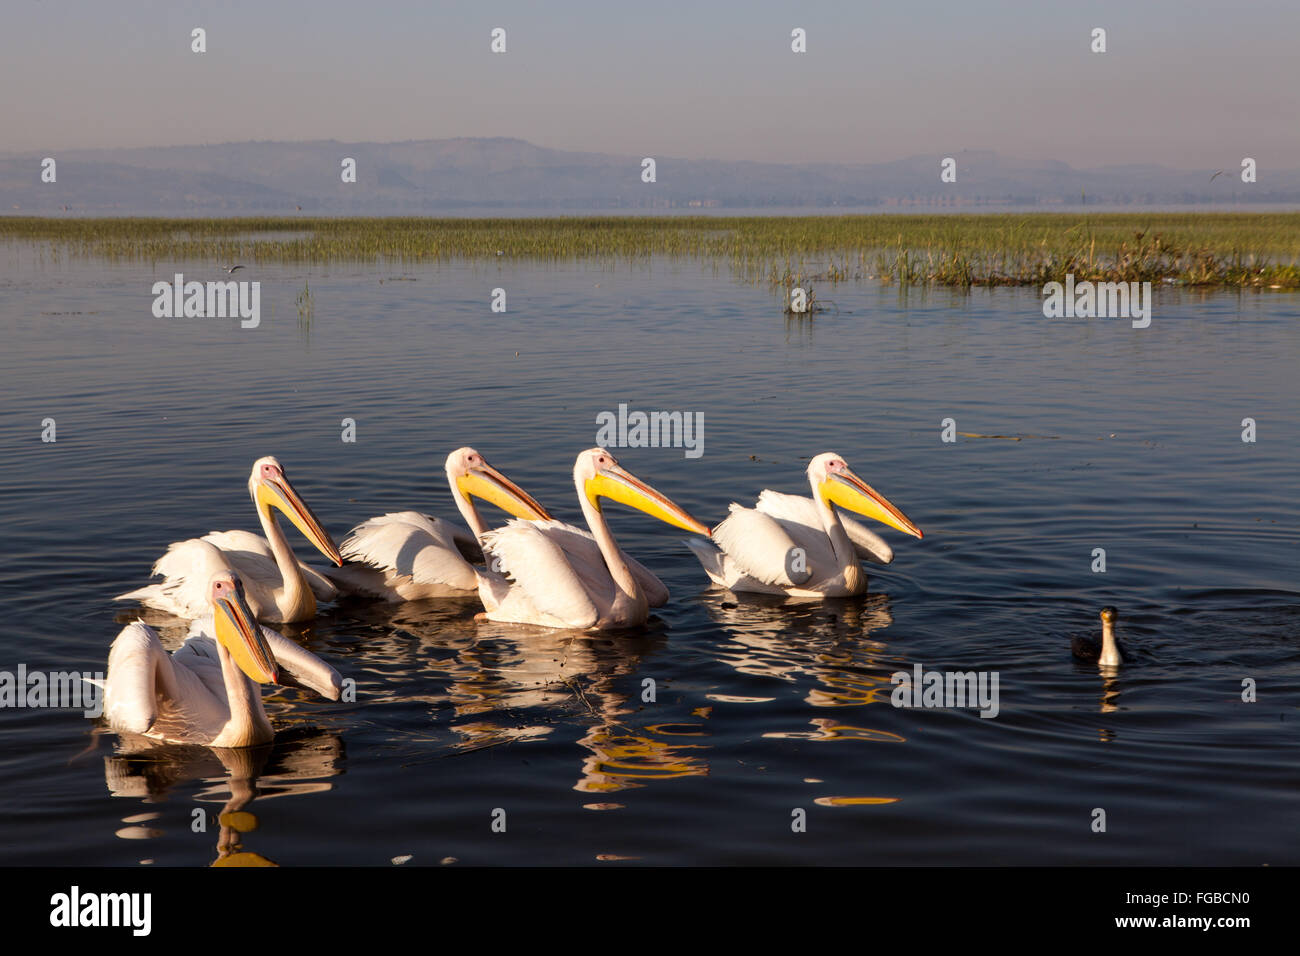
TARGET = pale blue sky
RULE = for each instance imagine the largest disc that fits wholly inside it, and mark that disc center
(1186, 84)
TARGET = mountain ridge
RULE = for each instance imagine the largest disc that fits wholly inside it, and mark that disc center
(261, 176)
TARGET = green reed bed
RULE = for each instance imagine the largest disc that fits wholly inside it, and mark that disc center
(1259, 250)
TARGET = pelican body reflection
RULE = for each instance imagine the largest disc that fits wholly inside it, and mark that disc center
(300, 762)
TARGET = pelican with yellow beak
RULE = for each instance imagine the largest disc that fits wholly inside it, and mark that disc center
(208, 691)
(803, 547)
(409, 556)
(556, 575)
(279, 586)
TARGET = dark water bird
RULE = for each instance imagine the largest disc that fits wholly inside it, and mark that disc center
(1219, 173)
(1107, 652)
(231, 270)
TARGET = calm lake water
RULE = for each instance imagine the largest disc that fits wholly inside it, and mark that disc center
(762, 707)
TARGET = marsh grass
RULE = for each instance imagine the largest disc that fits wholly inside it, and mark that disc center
(1256, 250)
(790, 279)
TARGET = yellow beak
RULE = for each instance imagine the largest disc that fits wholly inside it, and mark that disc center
(619, 484)
(847, 490)
(238, 631)
(280, 495)
(490, 485)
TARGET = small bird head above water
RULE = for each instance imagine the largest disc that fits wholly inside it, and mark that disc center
(1105, 652)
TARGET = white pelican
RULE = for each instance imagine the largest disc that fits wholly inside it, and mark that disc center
(557, 575)
(206, 693)
(1106, 654)
(279, 586)
(802, 547)
(407, 556)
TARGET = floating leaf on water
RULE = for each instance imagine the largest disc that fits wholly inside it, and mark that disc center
(733, 699)
(602, 806)
(606, 857)
(404, 858)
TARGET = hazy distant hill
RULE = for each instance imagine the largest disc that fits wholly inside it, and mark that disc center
(443, 175)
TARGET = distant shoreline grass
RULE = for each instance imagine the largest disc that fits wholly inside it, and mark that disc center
(1243, 250)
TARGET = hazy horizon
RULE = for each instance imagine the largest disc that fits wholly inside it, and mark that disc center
(1184, 85)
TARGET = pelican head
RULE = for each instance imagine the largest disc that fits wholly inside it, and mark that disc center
(834, 482)
(271, 489)
(237, 628)
(470, 473)
(598, 474)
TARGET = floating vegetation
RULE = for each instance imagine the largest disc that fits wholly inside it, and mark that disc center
(800, 296)
(801, 301)
(1245, 250)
